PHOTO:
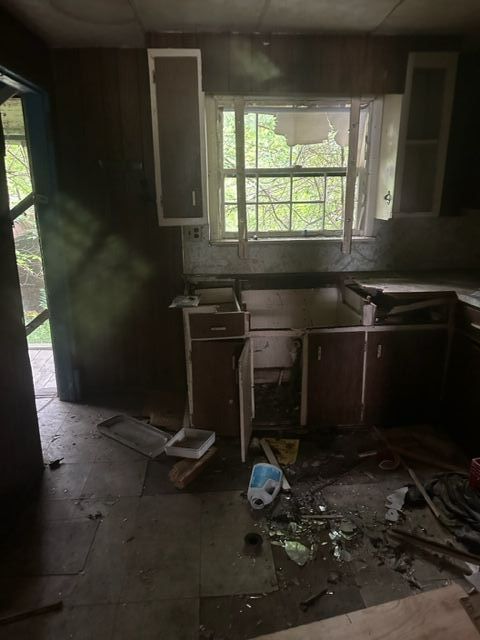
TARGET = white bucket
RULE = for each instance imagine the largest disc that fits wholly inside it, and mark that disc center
(265, 483)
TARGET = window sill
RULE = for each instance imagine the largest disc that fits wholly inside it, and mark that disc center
(251, 242)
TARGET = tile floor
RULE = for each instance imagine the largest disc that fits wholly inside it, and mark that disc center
(133, 558)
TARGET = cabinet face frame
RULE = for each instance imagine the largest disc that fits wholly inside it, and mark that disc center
(153, 54)
(446, 61)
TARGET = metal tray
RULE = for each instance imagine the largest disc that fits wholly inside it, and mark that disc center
(137, 435)
(190, 443)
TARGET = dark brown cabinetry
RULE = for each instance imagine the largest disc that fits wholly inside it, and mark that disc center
(463, 390)
(335, 373)
(404, 375)
(215, 385)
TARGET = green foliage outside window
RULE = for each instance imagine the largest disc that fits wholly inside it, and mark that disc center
(285, 203)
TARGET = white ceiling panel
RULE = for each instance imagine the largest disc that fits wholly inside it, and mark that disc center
(434, 16)
(200, 15)
(80, 23)
(326, 15)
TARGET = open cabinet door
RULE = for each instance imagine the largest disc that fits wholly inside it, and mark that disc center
(245, 384)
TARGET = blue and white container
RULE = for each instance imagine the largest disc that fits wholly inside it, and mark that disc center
(265, 483)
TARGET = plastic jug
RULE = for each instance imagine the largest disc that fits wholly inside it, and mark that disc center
(265, 483)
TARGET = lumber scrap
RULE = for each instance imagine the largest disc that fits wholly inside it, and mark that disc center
(437, 614)
(28, 613)
(186, 470)
(267, 450)
(434, 546)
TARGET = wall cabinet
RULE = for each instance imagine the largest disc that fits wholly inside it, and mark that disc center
(178, 124)
(414, 138)
(404, 375)
(423, 134)
(335, 373)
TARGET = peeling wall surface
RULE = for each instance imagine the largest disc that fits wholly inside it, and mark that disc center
(420, 243)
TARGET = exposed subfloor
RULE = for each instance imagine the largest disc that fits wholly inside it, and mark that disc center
(133, 558)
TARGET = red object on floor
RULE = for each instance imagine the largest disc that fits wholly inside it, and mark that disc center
(474, 477)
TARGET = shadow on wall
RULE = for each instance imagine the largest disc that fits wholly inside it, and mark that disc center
(106, 274)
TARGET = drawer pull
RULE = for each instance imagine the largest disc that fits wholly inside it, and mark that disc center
(319, 353)
(379, 351)
(218, 328)
(475, 325)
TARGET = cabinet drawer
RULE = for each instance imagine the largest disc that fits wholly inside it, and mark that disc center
(217, 325)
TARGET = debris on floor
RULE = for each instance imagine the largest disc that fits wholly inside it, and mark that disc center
(23, 615)
(265, 483)
(135, 434)
(285, 449)
(185, 471)
(54, 464)
(306, 604)
(394, 504)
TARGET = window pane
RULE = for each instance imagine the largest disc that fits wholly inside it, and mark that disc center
(17, 160)
(334, 202)
(230, 189)
(273, 217)
(250, 140)
(229, 148)
(273, 150)
(307, 217)
(231, 218)
(251, 218)
(273, 189)
(328, 132)
(308, 188)
(251, 189)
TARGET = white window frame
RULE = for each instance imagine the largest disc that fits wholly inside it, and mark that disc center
(215, 172)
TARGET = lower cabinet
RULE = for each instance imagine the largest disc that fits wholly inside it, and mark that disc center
(462, 397)
(222, 388)
(404, 375)
(335, 374)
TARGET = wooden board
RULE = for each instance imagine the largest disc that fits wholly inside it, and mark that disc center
(437, 615)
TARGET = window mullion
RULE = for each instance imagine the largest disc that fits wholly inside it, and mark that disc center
(351, 175)
(241, 190)
(256, 167)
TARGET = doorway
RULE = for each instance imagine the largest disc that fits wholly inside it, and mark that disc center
(33, 210)
(18, 169)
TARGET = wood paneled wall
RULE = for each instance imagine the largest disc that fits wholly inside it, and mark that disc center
(295, 64)
(123, 269)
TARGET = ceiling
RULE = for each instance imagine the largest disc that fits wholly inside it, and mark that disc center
(74, 23)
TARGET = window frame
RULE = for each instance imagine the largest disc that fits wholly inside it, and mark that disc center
(216, 172)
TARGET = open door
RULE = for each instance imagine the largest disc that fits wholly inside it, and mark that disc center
(20, 451)
(245, 385)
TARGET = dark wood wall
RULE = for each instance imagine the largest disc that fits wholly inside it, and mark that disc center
(293, 64)
(123, 269)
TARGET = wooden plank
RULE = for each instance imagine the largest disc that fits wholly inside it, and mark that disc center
(28, 613)
(185, 471)
(267, 450)
(435, 615)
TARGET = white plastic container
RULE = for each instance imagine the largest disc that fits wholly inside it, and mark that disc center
(190, 443)
(264, 485)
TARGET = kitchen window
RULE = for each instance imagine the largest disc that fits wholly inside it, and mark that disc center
(282, 168)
